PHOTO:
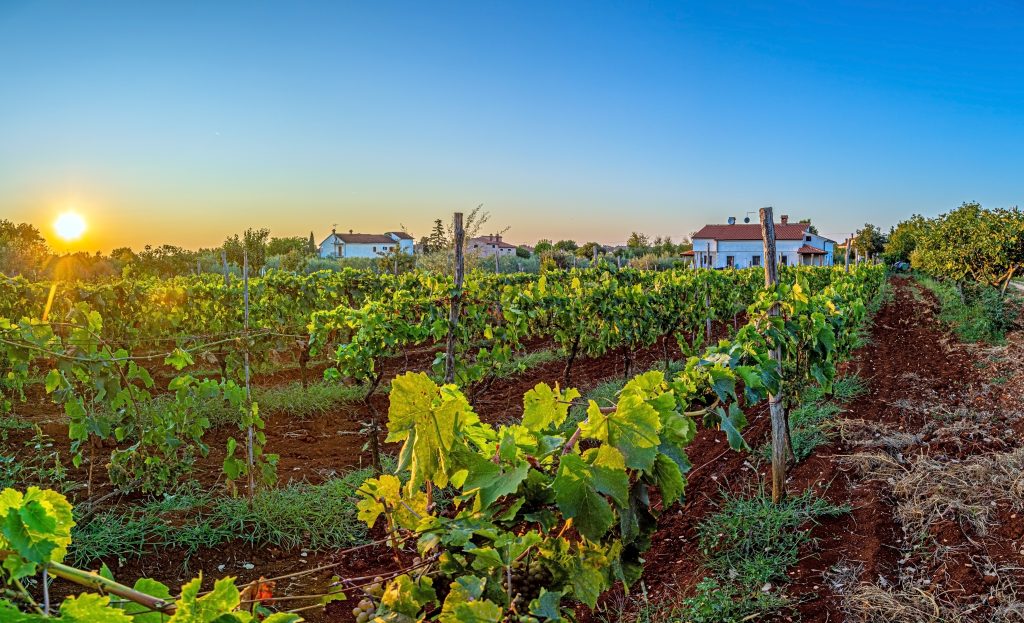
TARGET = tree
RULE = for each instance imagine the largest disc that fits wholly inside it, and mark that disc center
(22, 250)
(253, 242)
(971, 242)
(312, 248)
(437, 239)
(567, 246)
(904, 238)
(164, 261)
(638, 242)
(811, 229)
(587, 250)
(522, 252)
(869, 241)
(281, 246)
(543, 246)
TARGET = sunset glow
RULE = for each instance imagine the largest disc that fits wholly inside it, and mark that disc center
(69, 226)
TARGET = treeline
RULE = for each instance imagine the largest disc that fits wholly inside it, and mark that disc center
(24, 251)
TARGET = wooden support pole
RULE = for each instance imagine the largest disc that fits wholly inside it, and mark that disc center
(780, 433)
(250, 433)
(846, 262)
(224, 261)
(456, 304)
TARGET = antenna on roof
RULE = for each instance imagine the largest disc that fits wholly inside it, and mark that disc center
(732, 220)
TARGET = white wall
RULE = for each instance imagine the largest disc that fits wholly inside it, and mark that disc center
(334, 247)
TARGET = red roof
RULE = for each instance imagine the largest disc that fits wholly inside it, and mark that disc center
(809, 250)
(365, 238)
(751, 231)
(687, 253)
(492, 240)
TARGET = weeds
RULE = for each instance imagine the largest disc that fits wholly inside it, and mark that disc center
(753, 541)
(975, 313)
(314, 516)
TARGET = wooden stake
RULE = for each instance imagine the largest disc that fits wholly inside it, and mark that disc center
(224, 261)
(456, 306)
(778, 416)
(250, 433)
(849, 243)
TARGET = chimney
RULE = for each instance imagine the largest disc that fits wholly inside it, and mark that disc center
(784, 218)
(334, 230)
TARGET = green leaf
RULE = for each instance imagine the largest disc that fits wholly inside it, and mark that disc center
(579, 500)
(669, 479)
(141, 613)
(632, 428)
(407, 596)
(488, 480)
(191, 608)
(544, 407)
(546, 606)
(91, 608)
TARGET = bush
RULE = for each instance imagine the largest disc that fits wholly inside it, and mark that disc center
(976, 313)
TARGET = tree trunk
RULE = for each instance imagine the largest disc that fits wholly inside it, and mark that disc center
(566, 373)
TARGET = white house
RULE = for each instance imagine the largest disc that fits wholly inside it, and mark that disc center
(365, 245)
(491, 245)
(739, 245)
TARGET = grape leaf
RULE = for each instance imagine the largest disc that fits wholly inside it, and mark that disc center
(632, 428)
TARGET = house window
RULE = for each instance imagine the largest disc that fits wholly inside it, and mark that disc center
(730, 261)
(375, 249)
(755, 260)
(785, 260)
(807, 239)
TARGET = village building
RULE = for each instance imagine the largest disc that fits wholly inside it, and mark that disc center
(491, 245)
(739, 245)
(365, 245)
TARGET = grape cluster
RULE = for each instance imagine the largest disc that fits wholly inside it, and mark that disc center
(527, 580)
(367, 607)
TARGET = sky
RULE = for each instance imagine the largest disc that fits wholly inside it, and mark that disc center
(184, 122)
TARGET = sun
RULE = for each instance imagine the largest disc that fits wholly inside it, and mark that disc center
(69, 226)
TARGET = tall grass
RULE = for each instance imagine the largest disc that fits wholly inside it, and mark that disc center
(975, 313)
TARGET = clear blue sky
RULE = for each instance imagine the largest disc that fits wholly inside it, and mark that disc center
(181, 122)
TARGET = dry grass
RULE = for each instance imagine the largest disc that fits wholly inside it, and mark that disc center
(930, 491)
(915, 601)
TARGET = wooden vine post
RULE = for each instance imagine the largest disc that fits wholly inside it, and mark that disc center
(849, 243)
(707, 301)
(456, 304)
(224, 262)
(249, 433)
(775, 405)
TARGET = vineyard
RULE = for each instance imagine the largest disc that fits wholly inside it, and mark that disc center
(485, 515)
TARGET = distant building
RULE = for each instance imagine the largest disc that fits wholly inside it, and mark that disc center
(491, 245)
(365, 245)
(739, 245)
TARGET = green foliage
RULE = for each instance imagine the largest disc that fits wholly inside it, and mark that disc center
(315, 516)
(755, 540)
(976, 313)
(972, 243)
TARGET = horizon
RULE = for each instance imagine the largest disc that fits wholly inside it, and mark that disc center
(185, 124)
